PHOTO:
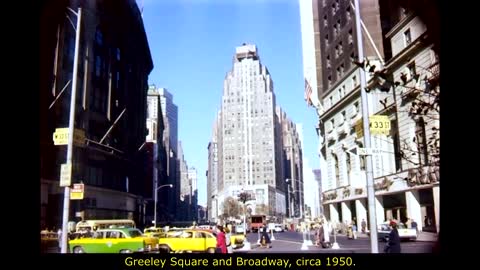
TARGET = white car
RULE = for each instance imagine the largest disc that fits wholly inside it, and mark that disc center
(404, 232)
(278, 228)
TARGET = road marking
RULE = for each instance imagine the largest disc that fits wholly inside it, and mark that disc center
(289, 241)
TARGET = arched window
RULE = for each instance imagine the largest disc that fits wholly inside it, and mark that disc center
(421, 139)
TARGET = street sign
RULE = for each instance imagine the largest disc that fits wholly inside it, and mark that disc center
(77, 192)
(379, 124)
(60, 137)
(65, 175)
(365, 151)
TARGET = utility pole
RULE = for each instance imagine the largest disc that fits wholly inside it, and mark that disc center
(366, 132)
(71, 126)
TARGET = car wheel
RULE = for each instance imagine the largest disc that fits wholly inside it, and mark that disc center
(211, 250)
(164, 249)
(78, 250)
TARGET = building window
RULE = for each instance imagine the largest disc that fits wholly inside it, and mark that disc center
(349, 13)
(349, 166)
(337, 169)
(331, 104)
(412, 69)
(328, 61)
(335, 31)
(325, 20)
(98, 65)
(408, 37)
(350, 37)
(396, 146)
(326, 40)
(118, 54)
(354, 82)
(99, 37)
(421, 138)
(362, 159)
(340, 48)
(352, 57)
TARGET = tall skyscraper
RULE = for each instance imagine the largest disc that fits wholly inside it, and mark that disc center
(248, 131)
(170, 111)
(212, 174)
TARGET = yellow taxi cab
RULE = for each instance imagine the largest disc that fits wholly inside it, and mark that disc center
(188, 240)
(154, 232)
(114, 240)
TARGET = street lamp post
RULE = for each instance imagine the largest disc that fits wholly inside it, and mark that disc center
(66, 198)
(366, 137)
(288, 205)
(156, 199)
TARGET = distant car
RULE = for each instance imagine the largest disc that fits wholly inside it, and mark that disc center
(279, 228)
(404, 232)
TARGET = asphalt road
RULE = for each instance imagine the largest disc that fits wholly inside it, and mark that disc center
(292, 242)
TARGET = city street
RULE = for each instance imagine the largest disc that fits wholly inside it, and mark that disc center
(291, 242)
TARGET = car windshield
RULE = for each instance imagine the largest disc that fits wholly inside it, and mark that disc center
(134, 233)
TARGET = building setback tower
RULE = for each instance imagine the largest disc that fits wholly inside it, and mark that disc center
(248, 131)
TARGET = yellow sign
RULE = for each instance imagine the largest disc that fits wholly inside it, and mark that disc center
(77, 192)
(60, 137)
(65, 175)
(379, 124)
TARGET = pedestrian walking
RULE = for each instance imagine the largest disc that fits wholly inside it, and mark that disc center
(228, 238)
(414, 225)
(221, 240)
(59, 235)
(364, 225)
(393, 245)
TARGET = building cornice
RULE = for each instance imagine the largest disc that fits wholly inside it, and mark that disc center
(399, 59)
(400, 25)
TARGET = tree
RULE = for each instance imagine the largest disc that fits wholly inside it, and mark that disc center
(262, 209)
(231, 207)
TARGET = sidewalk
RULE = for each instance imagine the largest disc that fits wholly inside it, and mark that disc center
(422, 236)
(427, 236)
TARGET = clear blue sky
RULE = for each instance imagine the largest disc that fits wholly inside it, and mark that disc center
(192, 43)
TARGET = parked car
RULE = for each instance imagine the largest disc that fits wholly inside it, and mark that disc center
(119, 240)
(404, 232)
